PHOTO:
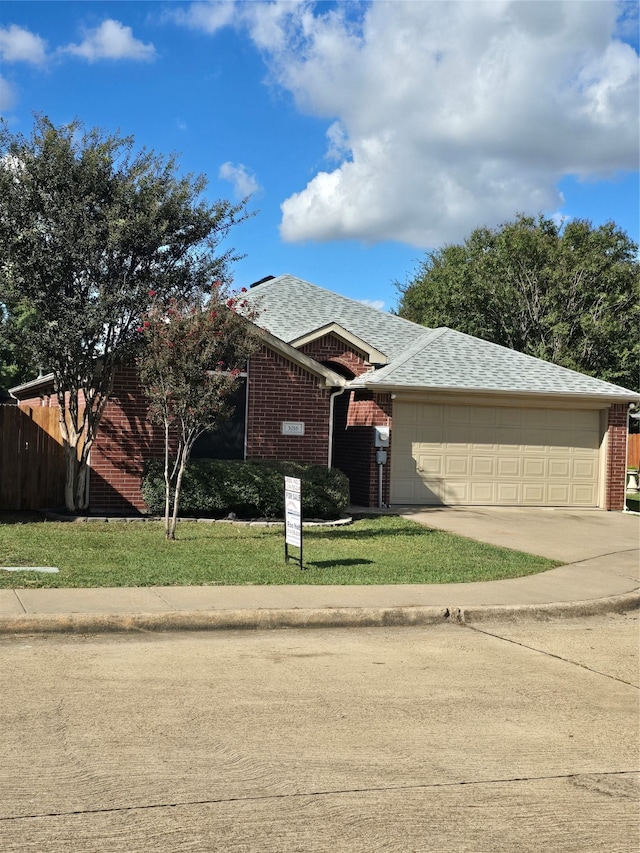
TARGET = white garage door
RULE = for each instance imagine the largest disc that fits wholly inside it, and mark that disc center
(488, 455)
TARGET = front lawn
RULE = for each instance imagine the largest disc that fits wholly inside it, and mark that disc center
(381, 550)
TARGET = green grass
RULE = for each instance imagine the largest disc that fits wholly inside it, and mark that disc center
(382, 550)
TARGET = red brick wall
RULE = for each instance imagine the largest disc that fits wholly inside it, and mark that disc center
(280, 390)
(354, 452)
(125, 440)
(616, 457)
(331, 348)
(35, 402)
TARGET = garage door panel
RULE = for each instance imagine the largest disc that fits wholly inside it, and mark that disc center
(457, 492)
(560, 468)
(508, 439)
(405, 466)
(404, 491)
(483, 437)
(559, 494)
(583, 469)
(581, 495)
(534, 466)
(431, 465)
(457, 466)
(494, 455)
(561, 441)
(533, 494)
(483, 466)
(509, 466)
(483, 493)
(457, 435)
(508, 494)
(431, 434)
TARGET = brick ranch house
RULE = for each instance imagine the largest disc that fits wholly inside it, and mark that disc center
(461, 421)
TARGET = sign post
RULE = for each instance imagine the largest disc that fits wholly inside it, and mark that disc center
(292, 518)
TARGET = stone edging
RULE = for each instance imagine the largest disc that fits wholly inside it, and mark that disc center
(52, 515)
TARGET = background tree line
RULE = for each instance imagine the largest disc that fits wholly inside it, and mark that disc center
(569, 294)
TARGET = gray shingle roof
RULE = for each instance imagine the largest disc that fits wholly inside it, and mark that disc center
(420, 358)
(444, 358)
(290, 308)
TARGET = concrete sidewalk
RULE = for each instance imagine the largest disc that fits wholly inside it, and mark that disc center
(602, 574)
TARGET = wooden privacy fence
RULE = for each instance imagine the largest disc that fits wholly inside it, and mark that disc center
(633, 450)
(32, 468)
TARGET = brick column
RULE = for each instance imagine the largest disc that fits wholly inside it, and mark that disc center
(616, 457)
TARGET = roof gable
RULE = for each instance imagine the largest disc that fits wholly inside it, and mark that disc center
(373, 355)
(327, 377)
(291, 309)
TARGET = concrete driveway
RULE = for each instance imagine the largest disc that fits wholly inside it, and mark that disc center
(570, 535)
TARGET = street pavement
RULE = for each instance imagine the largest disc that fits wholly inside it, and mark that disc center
(601, 573)
(517, 737)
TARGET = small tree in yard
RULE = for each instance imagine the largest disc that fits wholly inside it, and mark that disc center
(190, 363)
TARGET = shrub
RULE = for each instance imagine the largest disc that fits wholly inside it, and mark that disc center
(254, 489)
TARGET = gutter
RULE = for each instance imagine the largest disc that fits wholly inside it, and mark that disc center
(33, 385)
(413, 391)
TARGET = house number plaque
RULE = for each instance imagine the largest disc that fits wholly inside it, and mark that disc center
(292, 428)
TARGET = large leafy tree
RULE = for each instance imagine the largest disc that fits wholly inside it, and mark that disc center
(568, 294)
(189, 365)
(15, 363)
(88, 227)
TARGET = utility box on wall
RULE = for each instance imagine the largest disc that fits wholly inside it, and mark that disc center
(380, 436)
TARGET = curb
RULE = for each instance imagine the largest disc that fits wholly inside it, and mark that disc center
(546, 612)
(347, 617)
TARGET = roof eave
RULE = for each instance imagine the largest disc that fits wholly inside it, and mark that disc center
(392, 388)
(32, 386)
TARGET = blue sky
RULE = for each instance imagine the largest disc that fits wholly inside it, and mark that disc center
(366, 133)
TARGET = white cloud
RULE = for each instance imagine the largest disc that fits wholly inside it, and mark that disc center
(209, 17)
(7, 95)
(244, 182)
(448, 115)
(111, 40)
(20, 45)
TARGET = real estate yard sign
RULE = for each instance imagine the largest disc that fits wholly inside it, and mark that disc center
(292, 517)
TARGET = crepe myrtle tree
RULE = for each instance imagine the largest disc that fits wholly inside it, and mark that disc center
(87, 228)
(190, 362)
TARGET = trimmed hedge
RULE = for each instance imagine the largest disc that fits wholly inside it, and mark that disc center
(254, 489)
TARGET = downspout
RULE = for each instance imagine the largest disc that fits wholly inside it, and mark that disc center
(332, 397)
(245, 441)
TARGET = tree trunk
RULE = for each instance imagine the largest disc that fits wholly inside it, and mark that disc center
(167, 482)
(171, 533)
(71, 477)
(82, 494)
